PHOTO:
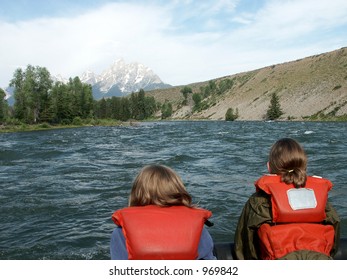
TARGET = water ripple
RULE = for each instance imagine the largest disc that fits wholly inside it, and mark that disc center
(59, 188)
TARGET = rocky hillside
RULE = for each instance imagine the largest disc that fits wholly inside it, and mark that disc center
(313, 86)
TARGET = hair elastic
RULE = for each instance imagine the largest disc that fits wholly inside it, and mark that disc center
(290, 171)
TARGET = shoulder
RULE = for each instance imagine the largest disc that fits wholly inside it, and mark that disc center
(205, 235)
(259, 198)
(118, 249)
(205, 249)
(117, 235)
(314, 179)
(258, 208)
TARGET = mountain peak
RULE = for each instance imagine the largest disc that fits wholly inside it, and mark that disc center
(89, 77)
(59, 78)
(128, 77)
(120, 79)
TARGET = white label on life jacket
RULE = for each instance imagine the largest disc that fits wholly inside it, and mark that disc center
(302, 198)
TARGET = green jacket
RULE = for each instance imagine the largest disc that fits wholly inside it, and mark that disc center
(257, 211)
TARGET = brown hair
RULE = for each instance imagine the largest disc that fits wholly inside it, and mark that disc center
(158, 185)
(288, 159)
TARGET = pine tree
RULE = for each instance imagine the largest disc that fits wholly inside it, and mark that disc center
(166, 110)
(197, 101)
(274, 111)
(185, 91)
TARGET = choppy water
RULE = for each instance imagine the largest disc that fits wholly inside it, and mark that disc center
(59, 188)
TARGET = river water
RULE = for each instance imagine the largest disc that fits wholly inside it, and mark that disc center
(59, 188)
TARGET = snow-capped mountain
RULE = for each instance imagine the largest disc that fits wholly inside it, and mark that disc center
(89, 77)
(59, 78)
(121, 78)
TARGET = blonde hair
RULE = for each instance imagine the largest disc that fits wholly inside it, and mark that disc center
(158, 185)
(288, 159)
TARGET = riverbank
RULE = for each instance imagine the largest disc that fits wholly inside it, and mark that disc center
(105, 122)
(21, 127)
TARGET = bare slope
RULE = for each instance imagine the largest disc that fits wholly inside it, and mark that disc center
(309, 86)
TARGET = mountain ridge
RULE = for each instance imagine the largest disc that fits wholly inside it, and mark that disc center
(120, 79)
(307, 87)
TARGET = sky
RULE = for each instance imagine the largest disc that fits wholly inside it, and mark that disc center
(182, 41)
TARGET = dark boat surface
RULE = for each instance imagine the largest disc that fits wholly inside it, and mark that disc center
(225, 250)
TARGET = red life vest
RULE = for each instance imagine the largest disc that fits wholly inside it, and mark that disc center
(297, 215)
(154, 232)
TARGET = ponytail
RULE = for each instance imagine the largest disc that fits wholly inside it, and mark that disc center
(294, 176)
(288, 159)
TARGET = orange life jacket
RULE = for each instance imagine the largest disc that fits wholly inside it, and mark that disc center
(154, 232)
(297, 215)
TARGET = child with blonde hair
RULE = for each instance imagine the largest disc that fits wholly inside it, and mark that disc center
(161, 222)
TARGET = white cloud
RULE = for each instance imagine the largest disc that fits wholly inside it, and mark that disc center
(293, 19)
(287, 30)
(277, 32)
(70, 45)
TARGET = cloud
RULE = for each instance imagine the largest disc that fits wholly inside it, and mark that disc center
(182, 41)
(293, 19)
(70, 45)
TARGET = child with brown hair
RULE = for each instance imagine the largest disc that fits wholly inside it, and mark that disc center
(288, 217)
(161, 221)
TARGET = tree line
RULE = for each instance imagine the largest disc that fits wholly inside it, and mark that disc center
(137, 106)
(37, 99)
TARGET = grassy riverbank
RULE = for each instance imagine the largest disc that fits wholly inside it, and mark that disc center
(21, 127)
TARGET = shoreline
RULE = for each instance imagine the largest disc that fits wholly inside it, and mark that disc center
(46, 126)
(105, 123)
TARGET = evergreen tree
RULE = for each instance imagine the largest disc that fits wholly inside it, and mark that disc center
(87, 101)
(125, 113)
(141, 107)
(197, 101)
(166, 110)
(274, 111)
(102, 109)
(212, 85)
(185, 91)
(150, 106)
(134, 108)
(61, 104)
(230, 115)
(115, 107)
(81, 98)
(224, 86)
